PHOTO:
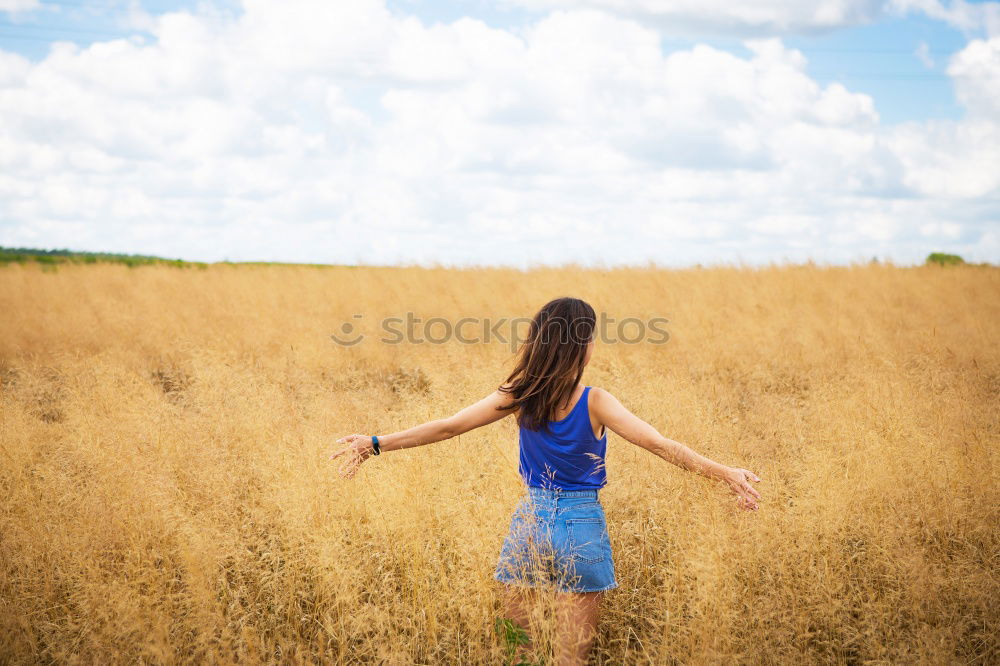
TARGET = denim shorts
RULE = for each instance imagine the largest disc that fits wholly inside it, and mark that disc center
(558, 538)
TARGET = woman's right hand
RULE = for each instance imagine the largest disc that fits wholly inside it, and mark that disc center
(359, 448)
(738, 480)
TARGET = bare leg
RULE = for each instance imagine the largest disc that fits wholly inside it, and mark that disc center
(519, 602)
(577, 626)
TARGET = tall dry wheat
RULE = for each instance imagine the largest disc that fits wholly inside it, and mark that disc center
(167, 497)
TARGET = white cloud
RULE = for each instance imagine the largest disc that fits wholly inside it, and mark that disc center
(976, 72)
(968, 16)
(746, 17)
(774, 17)
(959, 159)
(18, 5)
(323, 131)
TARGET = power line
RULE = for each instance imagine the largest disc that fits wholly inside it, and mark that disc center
(66, 38)
(32, 38)
(81, 5)
(803, 49)
(900, 76)
(129, 32)
(841, 76)
(79, 31)
(806, 50)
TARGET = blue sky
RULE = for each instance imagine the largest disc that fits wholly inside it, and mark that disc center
(411, 148)
(879, 59)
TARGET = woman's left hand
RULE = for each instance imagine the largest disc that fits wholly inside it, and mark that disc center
(738, 480)
(358, 450)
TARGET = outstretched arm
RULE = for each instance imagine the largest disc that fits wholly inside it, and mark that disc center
(359, 447)
(611, 413)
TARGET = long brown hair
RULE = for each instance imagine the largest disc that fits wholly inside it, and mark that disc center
(551, 361)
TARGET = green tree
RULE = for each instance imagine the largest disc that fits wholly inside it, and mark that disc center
(944, 259)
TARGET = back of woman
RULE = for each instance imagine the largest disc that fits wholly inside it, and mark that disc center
(558, 538)
(568, 455)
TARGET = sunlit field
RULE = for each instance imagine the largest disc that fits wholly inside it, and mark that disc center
(167, 495)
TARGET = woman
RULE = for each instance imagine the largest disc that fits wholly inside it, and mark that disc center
(558, 536)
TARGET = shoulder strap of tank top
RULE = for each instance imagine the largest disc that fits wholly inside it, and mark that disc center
(583, 404)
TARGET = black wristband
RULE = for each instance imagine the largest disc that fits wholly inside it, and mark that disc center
(375, 445)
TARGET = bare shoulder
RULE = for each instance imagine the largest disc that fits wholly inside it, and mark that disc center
(502, 399)
(605, 405)
(599, 396)
(600, 400)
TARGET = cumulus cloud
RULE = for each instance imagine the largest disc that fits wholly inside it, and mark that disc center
(747, 17)
(773, 17)
(339, 132)
(976, 73)
(959, 159)
(968, 16)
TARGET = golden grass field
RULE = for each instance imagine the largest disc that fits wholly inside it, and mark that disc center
(167, 495)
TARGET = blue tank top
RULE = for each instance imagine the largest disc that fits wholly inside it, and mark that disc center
(569, 456)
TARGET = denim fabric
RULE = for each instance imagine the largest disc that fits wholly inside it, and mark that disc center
(558, 538)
